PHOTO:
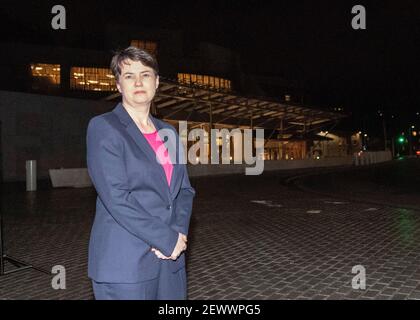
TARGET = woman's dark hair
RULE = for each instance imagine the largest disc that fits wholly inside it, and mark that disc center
(134, 54)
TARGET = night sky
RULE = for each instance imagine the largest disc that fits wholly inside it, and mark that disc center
(307, 41)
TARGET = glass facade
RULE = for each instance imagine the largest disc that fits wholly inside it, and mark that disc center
(206, 81)
(92, 79)
(149, 46)
(45, 75)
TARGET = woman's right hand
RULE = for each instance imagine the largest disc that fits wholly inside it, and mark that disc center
(180, 246)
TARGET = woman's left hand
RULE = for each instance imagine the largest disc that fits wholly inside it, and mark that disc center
(160, 255)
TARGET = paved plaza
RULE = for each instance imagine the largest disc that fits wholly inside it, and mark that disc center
(251, 237)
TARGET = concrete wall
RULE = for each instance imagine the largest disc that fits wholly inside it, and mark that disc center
(368, 157)
(49, 129)
(271, 165)
(79, 177)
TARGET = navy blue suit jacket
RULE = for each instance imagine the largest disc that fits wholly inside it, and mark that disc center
(135, 208)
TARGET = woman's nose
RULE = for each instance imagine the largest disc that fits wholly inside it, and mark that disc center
(138, 82)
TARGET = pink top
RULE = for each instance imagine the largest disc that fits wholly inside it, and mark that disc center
(155, 142)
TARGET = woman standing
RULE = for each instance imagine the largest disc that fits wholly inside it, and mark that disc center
(144, 203)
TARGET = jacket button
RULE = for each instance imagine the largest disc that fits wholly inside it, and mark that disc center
(169, 207)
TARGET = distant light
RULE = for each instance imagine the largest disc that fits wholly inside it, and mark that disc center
(365, 134)
(412, 127)
(360, 132)
(317, 157)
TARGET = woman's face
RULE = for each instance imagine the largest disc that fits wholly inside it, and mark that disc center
(137, 84)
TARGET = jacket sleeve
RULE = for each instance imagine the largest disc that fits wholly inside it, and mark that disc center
(106, 168)
(184, 200)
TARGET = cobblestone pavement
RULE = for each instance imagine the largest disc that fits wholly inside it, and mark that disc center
(251, 237)
(395, 183)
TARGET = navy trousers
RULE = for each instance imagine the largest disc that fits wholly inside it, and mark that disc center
(168, 286)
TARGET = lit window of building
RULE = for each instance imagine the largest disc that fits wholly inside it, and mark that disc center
(149, 46)
(206, 81)
(92, 79)
(45, 75)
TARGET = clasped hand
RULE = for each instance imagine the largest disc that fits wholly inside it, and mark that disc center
(181, 246)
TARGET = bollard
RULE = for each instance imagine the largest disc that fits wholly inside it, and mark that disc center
(31, 175)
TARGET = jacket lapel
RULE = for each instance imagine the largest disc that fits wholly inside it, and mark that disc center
(144, 145)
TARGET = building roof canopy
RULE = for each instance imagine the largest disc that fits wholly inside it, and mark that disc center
(175, 101)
